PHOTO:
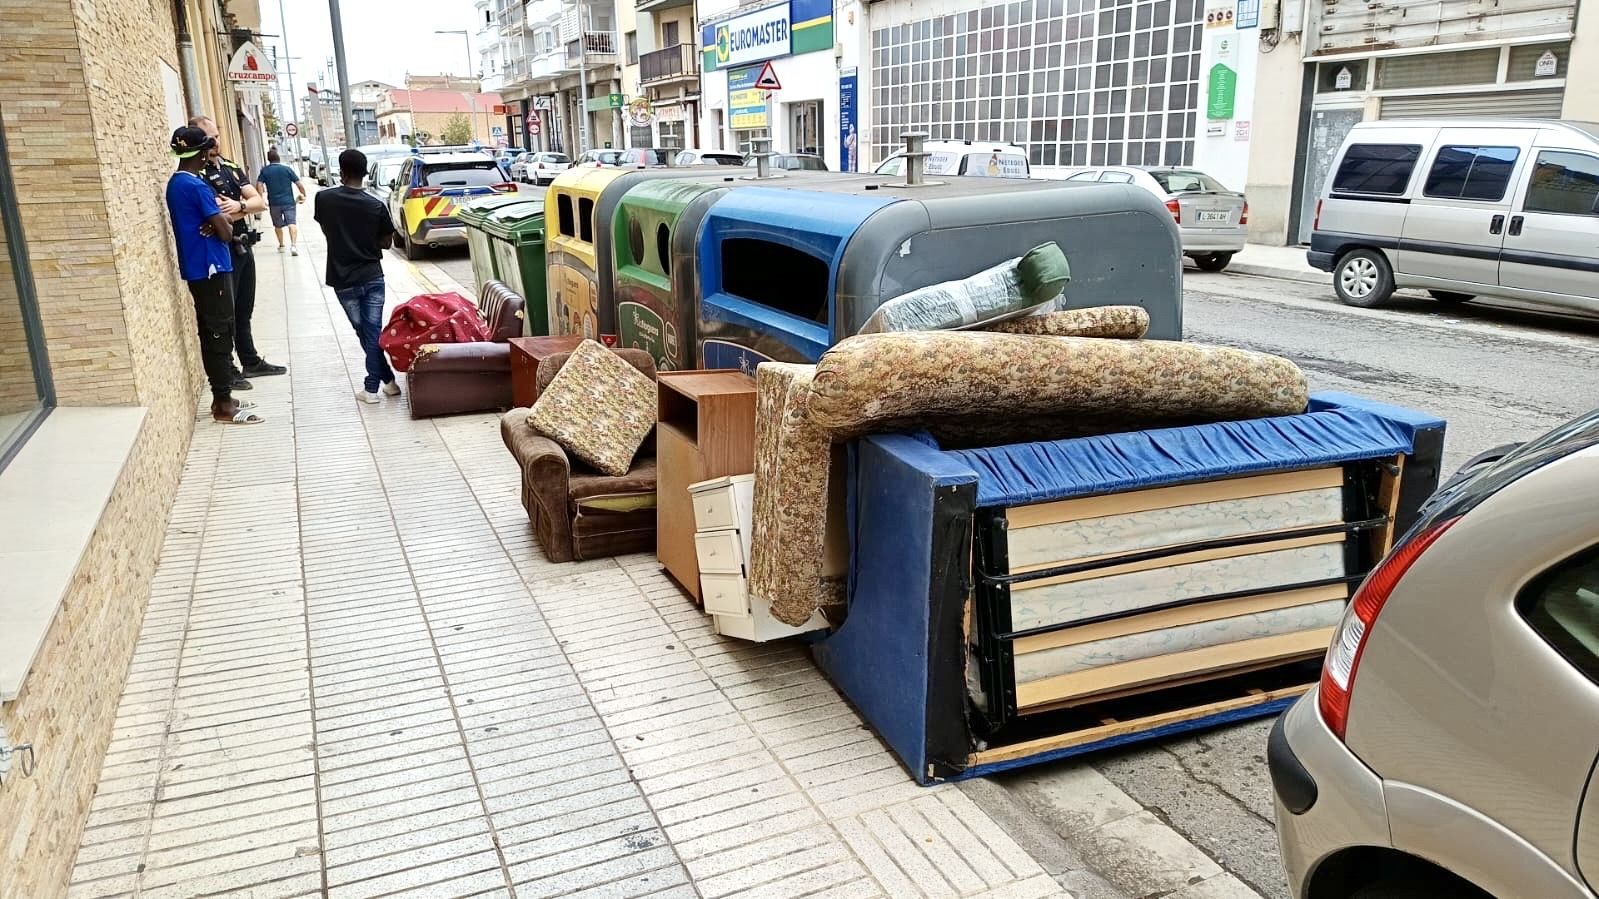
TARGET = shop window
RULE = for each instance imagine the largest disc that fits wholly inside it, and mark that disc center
(565, 221)
(1471, 173)
(585, 220)
(1562, 606)
(1524, 61)
(777, 276)
(1376, 169)
(1438, 69)
(1345, 75)
(1564, 184)
(25, 392)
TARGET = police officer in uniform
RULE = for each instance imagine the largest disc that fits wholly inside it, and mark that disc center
(239, 199)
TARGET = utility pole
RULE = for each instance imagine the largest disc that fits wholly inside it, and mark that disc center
(583, 76)
(283, 25)
(471, 95)
(344, 76)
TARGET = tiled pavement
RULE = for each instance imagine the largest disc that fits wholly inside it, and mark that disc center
(358, 676)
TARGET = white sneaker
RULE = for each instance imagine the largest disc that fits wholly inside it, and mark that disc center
(365, 397)
(392, 388)
(294, 251)
(280, 248)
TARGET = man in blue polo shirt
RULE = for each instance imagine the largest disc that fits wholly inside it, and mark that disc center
(203, 232)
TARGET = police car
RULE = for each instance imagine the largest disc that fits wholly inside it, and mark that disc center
(428, 190)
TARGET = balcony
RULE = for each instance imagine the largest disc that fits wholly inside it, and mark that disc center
(673, 63)
(595, 48)
(510, 19)
(655, 5)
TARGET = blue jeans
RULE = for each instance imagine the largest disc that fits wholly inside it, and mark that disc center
(363, 305)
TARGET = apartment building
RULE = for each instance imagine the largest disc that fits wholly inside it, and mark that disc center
(99, 377)
(562, 82)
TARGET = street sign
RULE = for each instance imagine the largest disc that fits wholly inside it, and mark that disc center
(534, 127)
(767, 80)
(291, 130)
(249, 67)
(541, 103)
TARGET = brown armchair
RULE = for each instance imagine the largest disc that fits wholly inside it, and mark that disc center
(576, 512)
(448, 378)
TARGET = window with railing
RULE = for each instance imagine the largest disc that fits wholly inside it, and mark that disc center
(668, 62)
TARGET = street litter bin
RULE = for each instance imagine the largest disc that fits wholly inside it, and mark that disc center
(473, 215)
(515, 234)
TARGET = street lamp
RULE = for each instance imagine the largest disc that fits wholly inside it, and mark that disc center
(471, 96)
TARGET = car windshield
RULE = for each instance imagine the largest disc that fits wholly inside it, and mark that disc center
(553, 157)
(647, 157)
(1176, 182)
(720, 159)
(469, 174)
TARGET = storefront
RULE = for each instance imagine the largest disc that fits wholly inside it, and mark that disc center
(767, 75)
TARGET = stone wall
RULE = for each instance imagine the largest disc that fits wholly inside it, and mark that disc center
(86, 114)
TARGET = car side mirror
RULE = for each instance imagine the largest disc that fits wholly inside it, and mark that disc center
(394, 183)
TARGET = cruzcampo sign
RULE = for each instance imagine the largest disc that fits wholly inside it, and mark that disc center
(1221, 89)
(783, 29)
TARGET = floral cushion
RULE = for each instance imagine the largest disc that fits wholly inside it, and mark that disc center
(792, 461)
(1096, 321)
(873, 378)
(598, 407)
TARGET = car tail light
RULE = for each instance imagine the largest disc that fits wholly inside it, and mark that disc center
(504, 187)
(1315, 223)
(1343, 659)
(1176, 210)
(415, 192)
(1243, 219)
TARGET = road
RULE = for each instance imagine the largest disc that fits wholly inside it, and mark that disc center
(1496, 375)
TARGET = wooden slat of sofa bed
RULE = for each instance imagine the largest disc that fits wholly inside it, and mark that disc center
(1188, 558)
(1191, 614)
(1140, 672)
(1168, 497)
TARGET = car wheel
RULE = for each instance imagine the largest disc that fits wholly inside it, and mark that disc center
(412, 251)
(1213, 262)
(1363, 278)
(1450, 296)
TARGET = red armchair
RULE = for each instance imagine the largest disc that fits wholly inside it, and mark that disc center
(450, 378)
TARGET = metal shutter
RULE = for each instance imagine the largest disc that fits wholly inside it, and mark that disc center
(1504, 104)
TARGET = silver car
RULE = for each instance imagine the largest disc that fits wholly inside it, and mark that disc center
(1449, 749)
(540, 167)
(1212, 220)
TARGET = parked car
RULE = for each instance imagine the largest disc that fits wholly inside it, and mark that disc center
(792, 162)
(540, 167)
(509, 155)
(1212, 220)
(1449, 749)
(947, 158)
(648, 157)
(382, 172)
(1464, 208)
(423, 196)
(707, 157)
(599, 159)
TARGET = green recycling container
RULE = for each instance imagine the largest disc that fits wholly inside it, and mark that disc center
(516, 240)
(477, 241)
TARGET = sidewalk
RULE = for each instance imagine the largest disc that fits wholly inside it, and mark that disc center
(1286, 263)
(358, 675)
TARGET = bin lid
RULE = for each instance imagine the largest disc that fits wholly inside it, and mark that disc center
(475, 211)
(516, 220)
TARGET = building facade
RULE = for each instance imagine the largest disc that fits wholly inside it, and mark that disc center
(1325, 67)
(563, 75)
(407, 114)
(791, 44)
(99, 384)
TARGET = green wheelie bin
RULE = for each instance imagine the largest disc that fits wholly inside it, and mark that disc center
(516, 239)
(473, 215)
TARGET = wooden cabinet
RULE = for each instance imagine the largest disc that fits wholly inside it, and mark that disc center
(526, 354)
(705, 429)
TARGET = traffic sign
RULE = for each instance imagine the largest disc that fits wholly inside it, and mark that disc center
(534, 126)
(767, 80)
(291, 130)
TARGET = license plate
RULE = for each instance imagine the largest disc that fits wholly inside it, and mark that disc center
(1222, 217)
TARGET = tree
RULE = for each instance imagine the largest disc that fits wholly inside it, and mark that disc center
(270, 113)
(457, 130)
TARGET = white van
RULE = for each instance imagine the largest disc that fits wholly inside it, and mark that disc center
(1503, 208)
(964, 157)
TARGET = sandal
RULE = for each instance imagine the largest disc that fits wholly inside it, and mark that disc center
(241, 414)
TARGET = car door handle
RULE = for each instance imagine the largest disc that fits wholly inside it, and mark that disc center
(1515, 225)
(1496, 224)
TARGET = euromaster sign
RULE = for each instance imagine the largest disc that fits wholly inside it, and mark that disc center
(786, 29)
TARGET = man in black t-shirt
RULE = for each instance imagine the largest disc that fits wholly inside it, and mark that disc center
(358, 230)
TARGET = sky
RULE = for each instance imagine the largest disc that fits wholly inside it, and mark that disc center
(383, 39)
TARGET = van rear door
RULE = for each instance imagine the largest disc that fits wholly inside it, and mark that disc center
(1551, 249)
(1460, 206)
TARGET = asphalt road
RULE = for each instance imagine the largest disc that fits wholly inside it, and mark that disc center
(1496, 375)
